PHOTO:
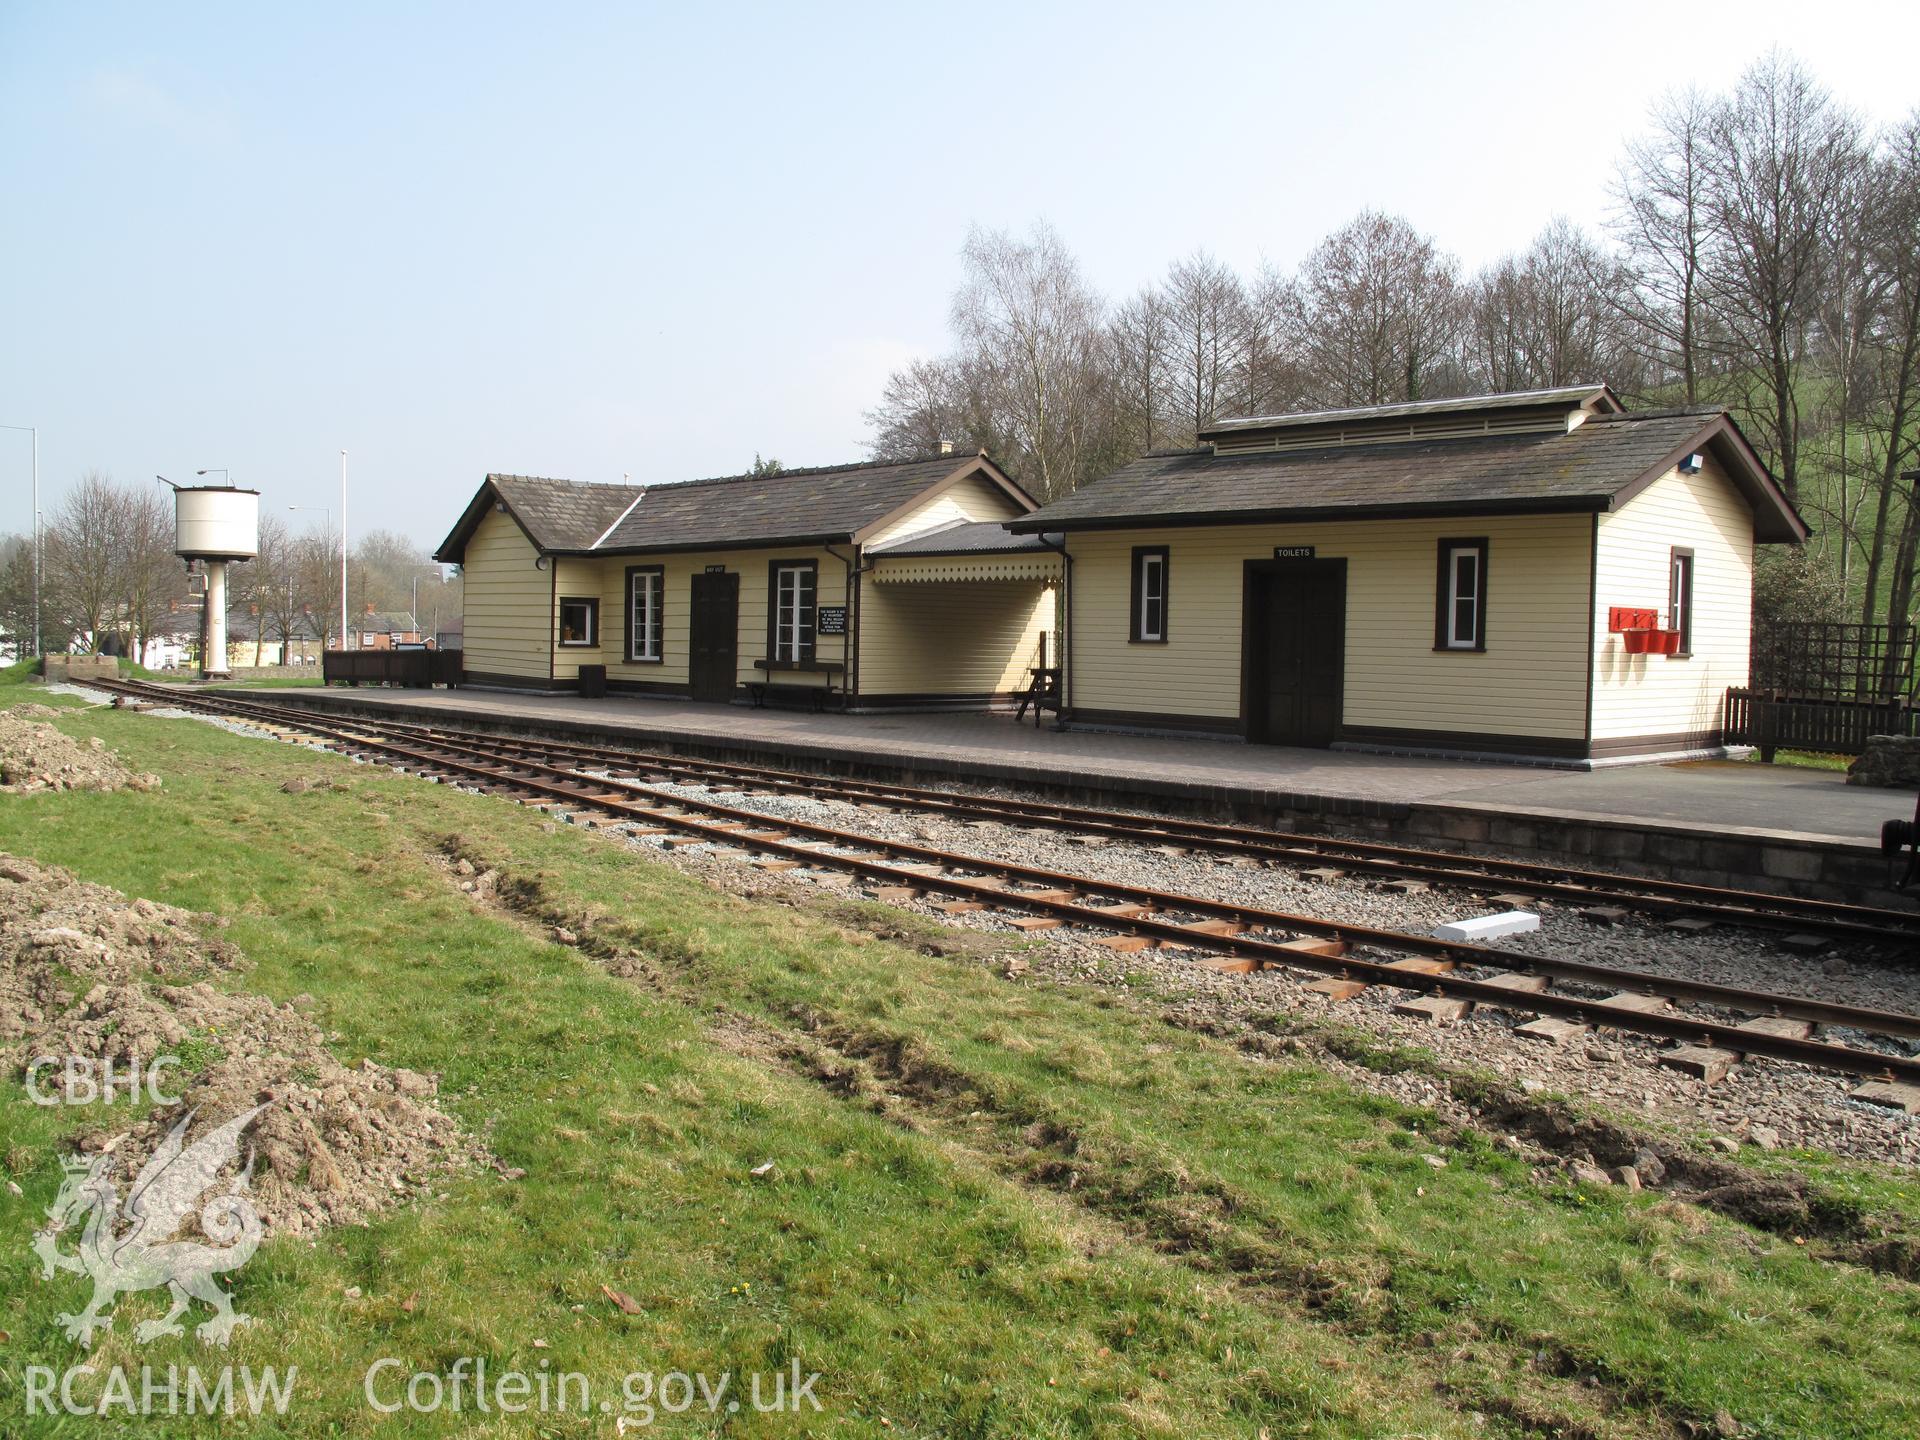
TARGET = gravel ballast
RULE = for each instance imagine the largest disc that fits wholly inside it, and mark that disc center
(1769, 1103)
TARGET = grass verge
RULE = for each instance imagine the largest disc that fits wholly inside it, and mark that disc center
(995, 1209)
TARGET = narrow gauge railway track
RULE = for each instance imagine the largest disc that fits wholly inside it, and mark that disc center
(1233, 936)
(1671, 898)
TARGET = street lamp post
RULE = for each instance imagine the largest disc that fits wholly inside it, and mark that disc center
(343, 549)
(34, 431)
(433, 570)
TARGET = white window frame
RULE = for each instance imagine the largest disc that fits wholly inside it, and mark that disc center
(646, 635)
(1151, 565)
(1473, 637)
(592, 627)
(1681, 574)
(795, 623)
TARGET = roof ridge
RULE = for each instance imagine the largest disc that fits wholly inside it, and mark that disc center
(958, 457)
(1334, 414)
(498, 475)
(1672, 412)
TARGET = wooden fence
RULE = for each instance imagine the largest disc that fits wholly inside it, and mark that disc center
(419, 668)
(1813, 660)
(1834, 727)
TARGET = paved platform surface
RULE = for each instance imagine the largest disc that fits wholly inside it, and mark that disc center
(1713, 797)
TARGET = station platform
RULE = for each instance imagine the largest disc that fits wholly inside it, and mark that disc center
(1728, 823)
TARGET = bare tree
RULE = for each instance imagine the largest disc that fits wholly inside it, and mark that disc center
(1660, 223)
(1207, 322)
(269, 587)
(16, 593)
(1034, 332)
(921, 408)
(1543, 318)
(1847, 304)
(80, 562)
(1378, 307)
(1142, 348)
(151, 578)
(1780, 154)
(1893, 349)
(316, 575)
(1272, 377)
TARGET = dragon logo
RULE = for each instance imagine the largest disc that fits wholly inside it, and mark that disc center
(131, 1249)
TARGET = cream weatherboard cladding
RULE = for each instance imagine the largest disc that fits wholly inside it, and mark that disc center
(1530, 681)
(936, 638)
(1659, 695)
(679, 568)
(973, 498)
(575, 579)
(507, 602)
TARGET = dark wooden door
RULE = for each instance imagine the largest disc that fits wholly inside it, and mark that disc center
(1294, 664)
(713, 626)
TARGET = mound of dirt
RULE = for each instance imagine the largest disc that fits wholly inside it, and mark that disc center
(35, 756)
(87, 972)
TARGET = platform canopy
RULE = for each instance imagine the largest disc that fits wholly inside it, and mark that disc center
(970, 551)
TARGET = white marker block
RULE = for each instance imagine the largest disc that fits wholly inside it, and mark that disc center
(1483, 928)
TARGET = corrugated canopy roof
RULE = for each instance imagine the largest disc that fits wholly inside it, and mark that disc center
(966, 537)
(1598, 466)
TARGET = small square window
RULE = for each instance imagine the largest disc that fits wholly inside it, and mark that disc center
(579, 621)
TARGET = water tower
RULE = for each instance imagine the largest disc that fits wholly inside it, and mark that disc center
(217, 524)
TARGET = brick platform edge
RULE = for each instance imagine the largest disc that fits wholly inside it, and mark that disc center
(1779, 862)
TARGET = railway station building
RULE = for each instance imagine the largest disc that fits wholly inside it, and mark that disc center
(1542, 574)
(863, 587)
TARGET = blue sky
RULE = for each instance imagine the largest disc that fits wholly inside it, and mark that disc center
(590, 240)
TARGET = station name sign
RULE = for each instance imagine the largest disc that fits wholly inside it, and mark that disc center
(1293, 552)
(830, 620)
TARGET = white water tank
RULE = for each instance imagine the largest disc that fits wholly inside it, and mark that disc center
(216, 522)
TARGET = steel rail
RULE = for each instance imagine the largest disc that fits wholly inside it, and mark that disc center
(1747, 908)
(757, 832)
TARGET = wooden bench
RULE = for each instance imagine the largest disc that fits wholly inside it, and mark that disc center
(761, 691)
(1042, 693)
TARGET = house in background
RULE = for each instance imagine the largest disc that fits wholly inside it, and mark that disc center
(385, 630)
(1475, 575)
(868, 586)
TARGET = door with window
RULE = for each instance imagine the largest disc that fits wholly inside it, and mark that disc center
(1293, 663)
(713, 628)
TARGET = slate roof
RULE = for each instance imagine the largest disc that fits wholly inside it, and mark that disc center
(966, 537)
(829, 502)
(1598, 466)
(825, 503)
(563, 514)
